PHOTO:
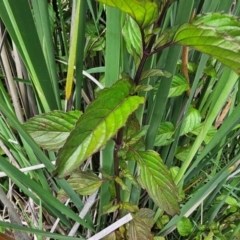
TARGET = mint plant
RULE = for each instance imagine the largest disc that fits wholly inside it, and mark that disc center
(112, 115)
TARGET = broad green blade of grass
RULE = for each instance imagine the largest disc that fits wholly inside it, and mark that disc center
(198, 197)
(197, 131)
(224, 6)
(113, 36)
(224, 130)
(221, 92)
(159, 105)
(38, 152)
(45, 26)
(19, 22)
(73, 48)
(45, 196)
(112, 61)
(106, 161)
(80, 53)
(37, 231)
(201, 66)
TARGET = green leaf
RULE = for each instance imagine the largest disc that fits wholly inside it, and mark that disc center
(132, 127)
(38, 232)
(22, 180)
(109, 208)
(143, 88)
(137, 136)
(154, 177)
(184, 227)
(133, 39)
(211, 132)
(51, 130)
(155, 73)
(229, 200)
(144, 12)
(94, 42)
(130, 207)
(191, 121)
(182, 153)
(146, 215)
(84, 183)
(210, 71)
(140, 226)
(121, 183)
(162, 221)
(158, 238)
(165, 38)
(164, 135)
(125, 173)
(215, 34)
(97, 125)
(174, 172)
(20, 24)
(179, 85)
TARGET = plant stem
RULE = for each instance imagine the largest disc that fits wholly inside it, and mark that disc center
(140, 68)
(147, 51)
(118, 144)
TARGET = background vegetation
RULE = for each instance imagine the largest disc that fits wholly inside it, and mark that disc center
(190, 118)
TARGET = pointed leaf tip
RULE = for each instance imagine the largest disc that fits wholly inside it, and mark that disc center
(100, 122)
(215, 34)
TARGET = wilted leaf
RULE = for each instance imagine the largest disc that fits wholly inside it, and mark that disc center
(144, 12)
(184, 227)
(146, 215)
(164, 135)
(155, 73)
(140, 226)
(191, 121)
(215, 34)
(97, 125)
(62, 196)
(133, 39)
(50, 130)
(179, 85)
(154, 177)
(111, 236)
(4, 236)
